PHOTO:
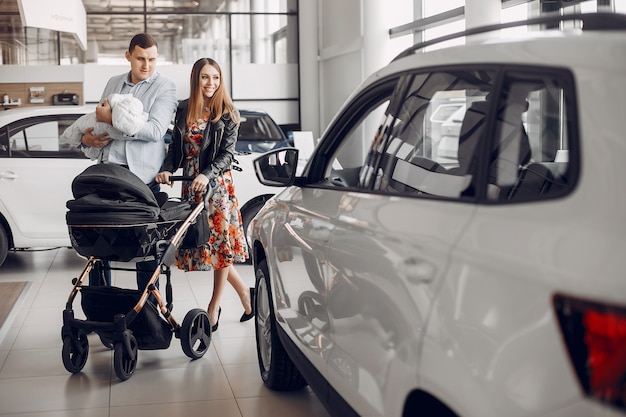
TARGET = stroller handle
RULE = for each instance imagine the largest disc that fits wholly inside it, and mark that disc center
(180, 178)
(190, 178)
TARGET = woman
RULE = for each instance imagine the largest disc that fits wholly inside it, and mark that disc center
(203, 144)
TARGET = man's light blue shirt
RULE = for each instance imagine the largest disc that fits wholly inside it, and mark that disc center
(144, 152)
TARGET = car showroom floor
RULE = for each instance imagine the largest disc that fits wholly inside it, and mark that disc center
(225, 382)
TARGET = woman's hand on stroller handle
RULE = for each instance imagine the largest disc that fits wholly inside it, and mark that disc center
(199, 183)
(166, 177)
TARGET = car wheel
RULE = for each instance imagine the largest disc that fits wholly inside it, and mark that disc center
(278, 372)
(4, 245)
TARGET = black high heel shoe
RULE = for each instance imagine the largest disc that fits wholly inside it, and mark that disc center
(217, 323)
(246, 317)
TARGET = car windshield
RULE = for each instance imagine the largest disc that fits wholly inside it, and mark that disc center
(258, 127)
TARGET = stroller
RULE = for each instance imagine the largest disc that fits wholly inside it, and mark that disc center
(114, 216)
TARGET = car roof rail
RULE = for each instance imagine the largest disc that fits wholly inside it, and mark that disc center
(591, 21)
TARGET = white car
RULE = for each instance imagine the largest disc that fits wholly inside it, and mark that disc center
(490, 286)
(37, 169)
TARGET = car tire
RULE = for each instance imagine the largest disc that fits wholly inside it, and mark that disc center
(4, 245)
(278, 372)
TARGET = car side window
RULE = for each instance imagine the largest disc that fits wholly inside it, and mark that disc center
(426, 145)
(349, 158)
(476, 134)
(530, 156)
(40, 138)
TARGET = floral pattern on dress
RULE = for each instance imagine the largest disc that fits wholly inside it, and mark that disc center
(227, 243)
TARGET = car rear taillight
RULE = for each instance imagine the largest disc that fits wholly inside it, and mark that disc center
(595, 335)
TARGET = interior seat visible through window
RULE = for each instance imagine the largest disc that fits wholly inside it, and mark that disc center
(531, 131)
(470, 135)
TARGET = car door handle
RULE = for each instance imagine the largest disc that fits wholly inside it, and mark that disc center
(8, 175)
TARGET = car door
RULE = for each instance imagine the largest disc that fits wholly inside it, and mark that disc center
(36, 172)
(521, 245)
(300, 236)
(395, 215)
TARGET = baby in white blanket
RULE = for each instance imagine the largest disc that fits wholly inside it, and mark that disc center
(128, 118)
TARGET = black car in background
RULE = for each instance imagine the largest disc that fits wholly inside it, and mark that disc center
(259, 133)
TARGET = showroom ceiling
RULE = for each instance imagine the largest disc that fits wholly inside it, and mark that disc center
(113, 21)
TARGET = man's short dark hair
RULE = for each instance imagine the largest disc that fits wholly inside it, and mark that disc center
(142, 40)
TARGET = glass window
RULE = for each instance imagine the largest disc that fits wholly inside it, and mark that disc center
(265, 39)
(41, 138)
(108, 36)
(195, 37)
(350, 159)
(427, 143)
(458, 134)
(347, 141)
(532, 140)
(113, 6)
(27, 46)
(274, 6)
(263, 32)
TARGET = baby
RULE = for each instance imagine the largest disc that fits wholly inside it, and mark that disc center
(128, 117)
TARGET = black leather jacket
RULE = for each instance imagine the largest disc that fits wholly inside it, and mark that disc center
(217, 149)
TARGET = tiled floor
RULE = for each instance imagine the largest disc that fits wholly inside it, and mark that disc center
(225, 382)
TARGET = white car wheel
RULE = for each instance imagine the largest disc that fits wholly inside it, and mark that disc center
(277, 370)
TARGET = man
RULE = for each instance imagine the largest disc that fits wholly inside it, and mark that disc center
(143, 152)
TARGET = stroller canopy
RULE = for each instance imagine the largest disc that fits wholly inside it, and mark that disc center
(112, 192)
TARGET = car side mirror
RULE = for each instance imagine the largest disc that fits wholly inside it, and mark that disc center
(277, 168)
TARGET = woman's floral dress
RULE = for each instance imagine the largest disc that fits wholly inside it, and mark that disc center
(227, 244)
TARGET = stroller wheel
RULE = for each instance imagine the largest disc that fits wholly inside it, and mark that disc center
(124, 363)
(75, 352)
(195, 333)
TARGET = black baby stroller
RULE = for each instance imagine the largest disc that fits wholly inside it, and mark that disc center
(114, 216)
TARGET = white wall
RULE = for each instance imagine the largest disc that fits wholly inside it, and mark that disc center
(40, 73)
(93, 76)
(354, 43)
(267, 87)
(251, 83)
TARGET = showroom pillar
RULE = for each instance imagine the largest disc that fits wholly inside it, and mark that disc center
(375, 36)
(309, 67)
(377, 49)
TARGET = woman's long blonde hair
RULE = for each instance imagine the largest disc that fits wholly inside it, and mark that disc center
(220, 104)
